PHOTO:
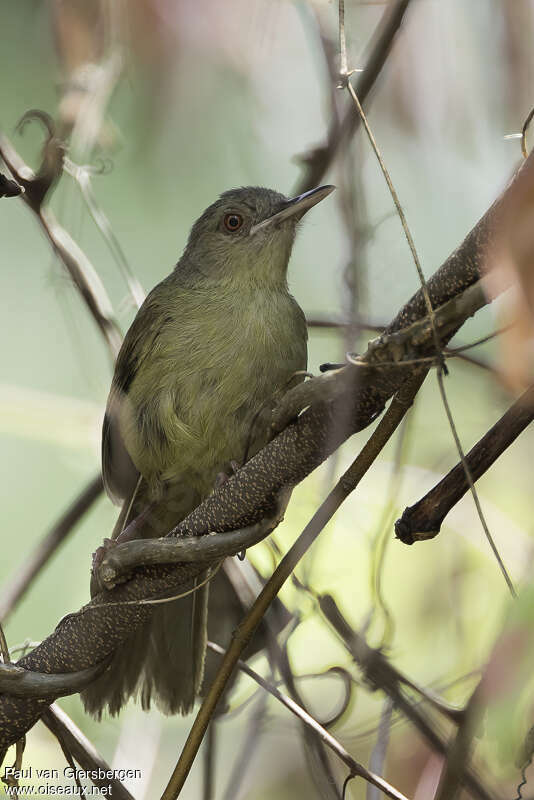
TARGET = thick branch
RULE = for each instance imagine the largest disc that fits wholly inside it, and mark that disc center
(424, 519)
(122, 558)
(404, 348)
(242, 636)
(88, 637)
(23, 683)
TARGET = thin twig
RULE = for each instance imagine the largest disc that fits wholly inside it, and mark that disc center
(472, 487)
(382, 675)
(316, 755)
(366, 325)
(322, 157)
(250, 742)
(400, 212)
(248, 495)
(378, 756)
(430, 311)
(82, 272)
(82, 176)
(382, 537)
(524, 130)
(392, 349)
(81, 749)
(356, 768)
(343, 69)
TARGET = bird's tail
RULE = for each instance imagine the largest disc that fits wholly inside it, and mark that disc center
(163, 660)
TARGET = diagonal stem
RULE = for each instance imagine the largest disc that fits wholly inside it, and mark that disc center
(347, 483)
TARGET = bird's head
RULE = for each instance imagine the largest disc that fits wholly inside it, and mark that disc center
(246, 236)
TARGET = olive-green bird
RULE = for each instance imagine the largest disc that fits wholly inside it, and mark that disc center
(209, 349)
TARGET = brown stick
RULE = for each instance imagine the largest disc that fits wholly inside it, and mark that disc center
(424, 519)
(79, 267)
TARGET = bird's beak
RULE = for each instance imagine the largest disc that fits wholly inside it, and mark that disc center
(296, 207)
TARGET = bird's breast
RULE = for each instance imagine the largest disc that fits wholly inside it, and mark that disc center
(222, 369)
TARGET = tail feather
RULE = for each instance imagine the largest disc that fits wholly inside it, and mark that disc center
(174, 664)
(120, 680)
(163, 661)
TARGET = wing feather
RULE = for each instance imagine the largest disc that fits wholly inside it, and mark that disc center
(119, 472)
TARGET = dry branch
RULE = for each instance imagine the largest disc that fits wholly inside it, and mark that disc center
(356, 768)
(80, 269)
(347, 483)
(82, 751)
(423, 520)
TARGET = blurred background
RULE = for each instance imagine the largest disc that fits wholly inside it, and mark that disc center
(180, 102)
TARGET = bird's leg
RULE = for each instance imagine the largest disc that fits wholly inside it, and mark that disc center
(120, 535)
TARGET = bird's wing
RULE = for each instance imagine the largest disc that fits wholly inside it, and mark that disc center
(119, 473)
(118, 470)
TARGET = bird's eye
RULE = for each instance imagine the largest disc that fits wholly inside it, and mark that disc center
(232, 222)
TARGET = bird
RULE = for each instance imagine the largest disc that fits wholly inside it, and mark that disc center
(209, 350)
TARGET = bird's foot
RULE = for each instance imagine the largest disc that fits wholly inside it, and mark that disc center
(226, 474)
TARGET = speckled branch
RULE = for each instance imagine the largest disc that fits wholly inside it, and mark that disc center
(88, 637)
